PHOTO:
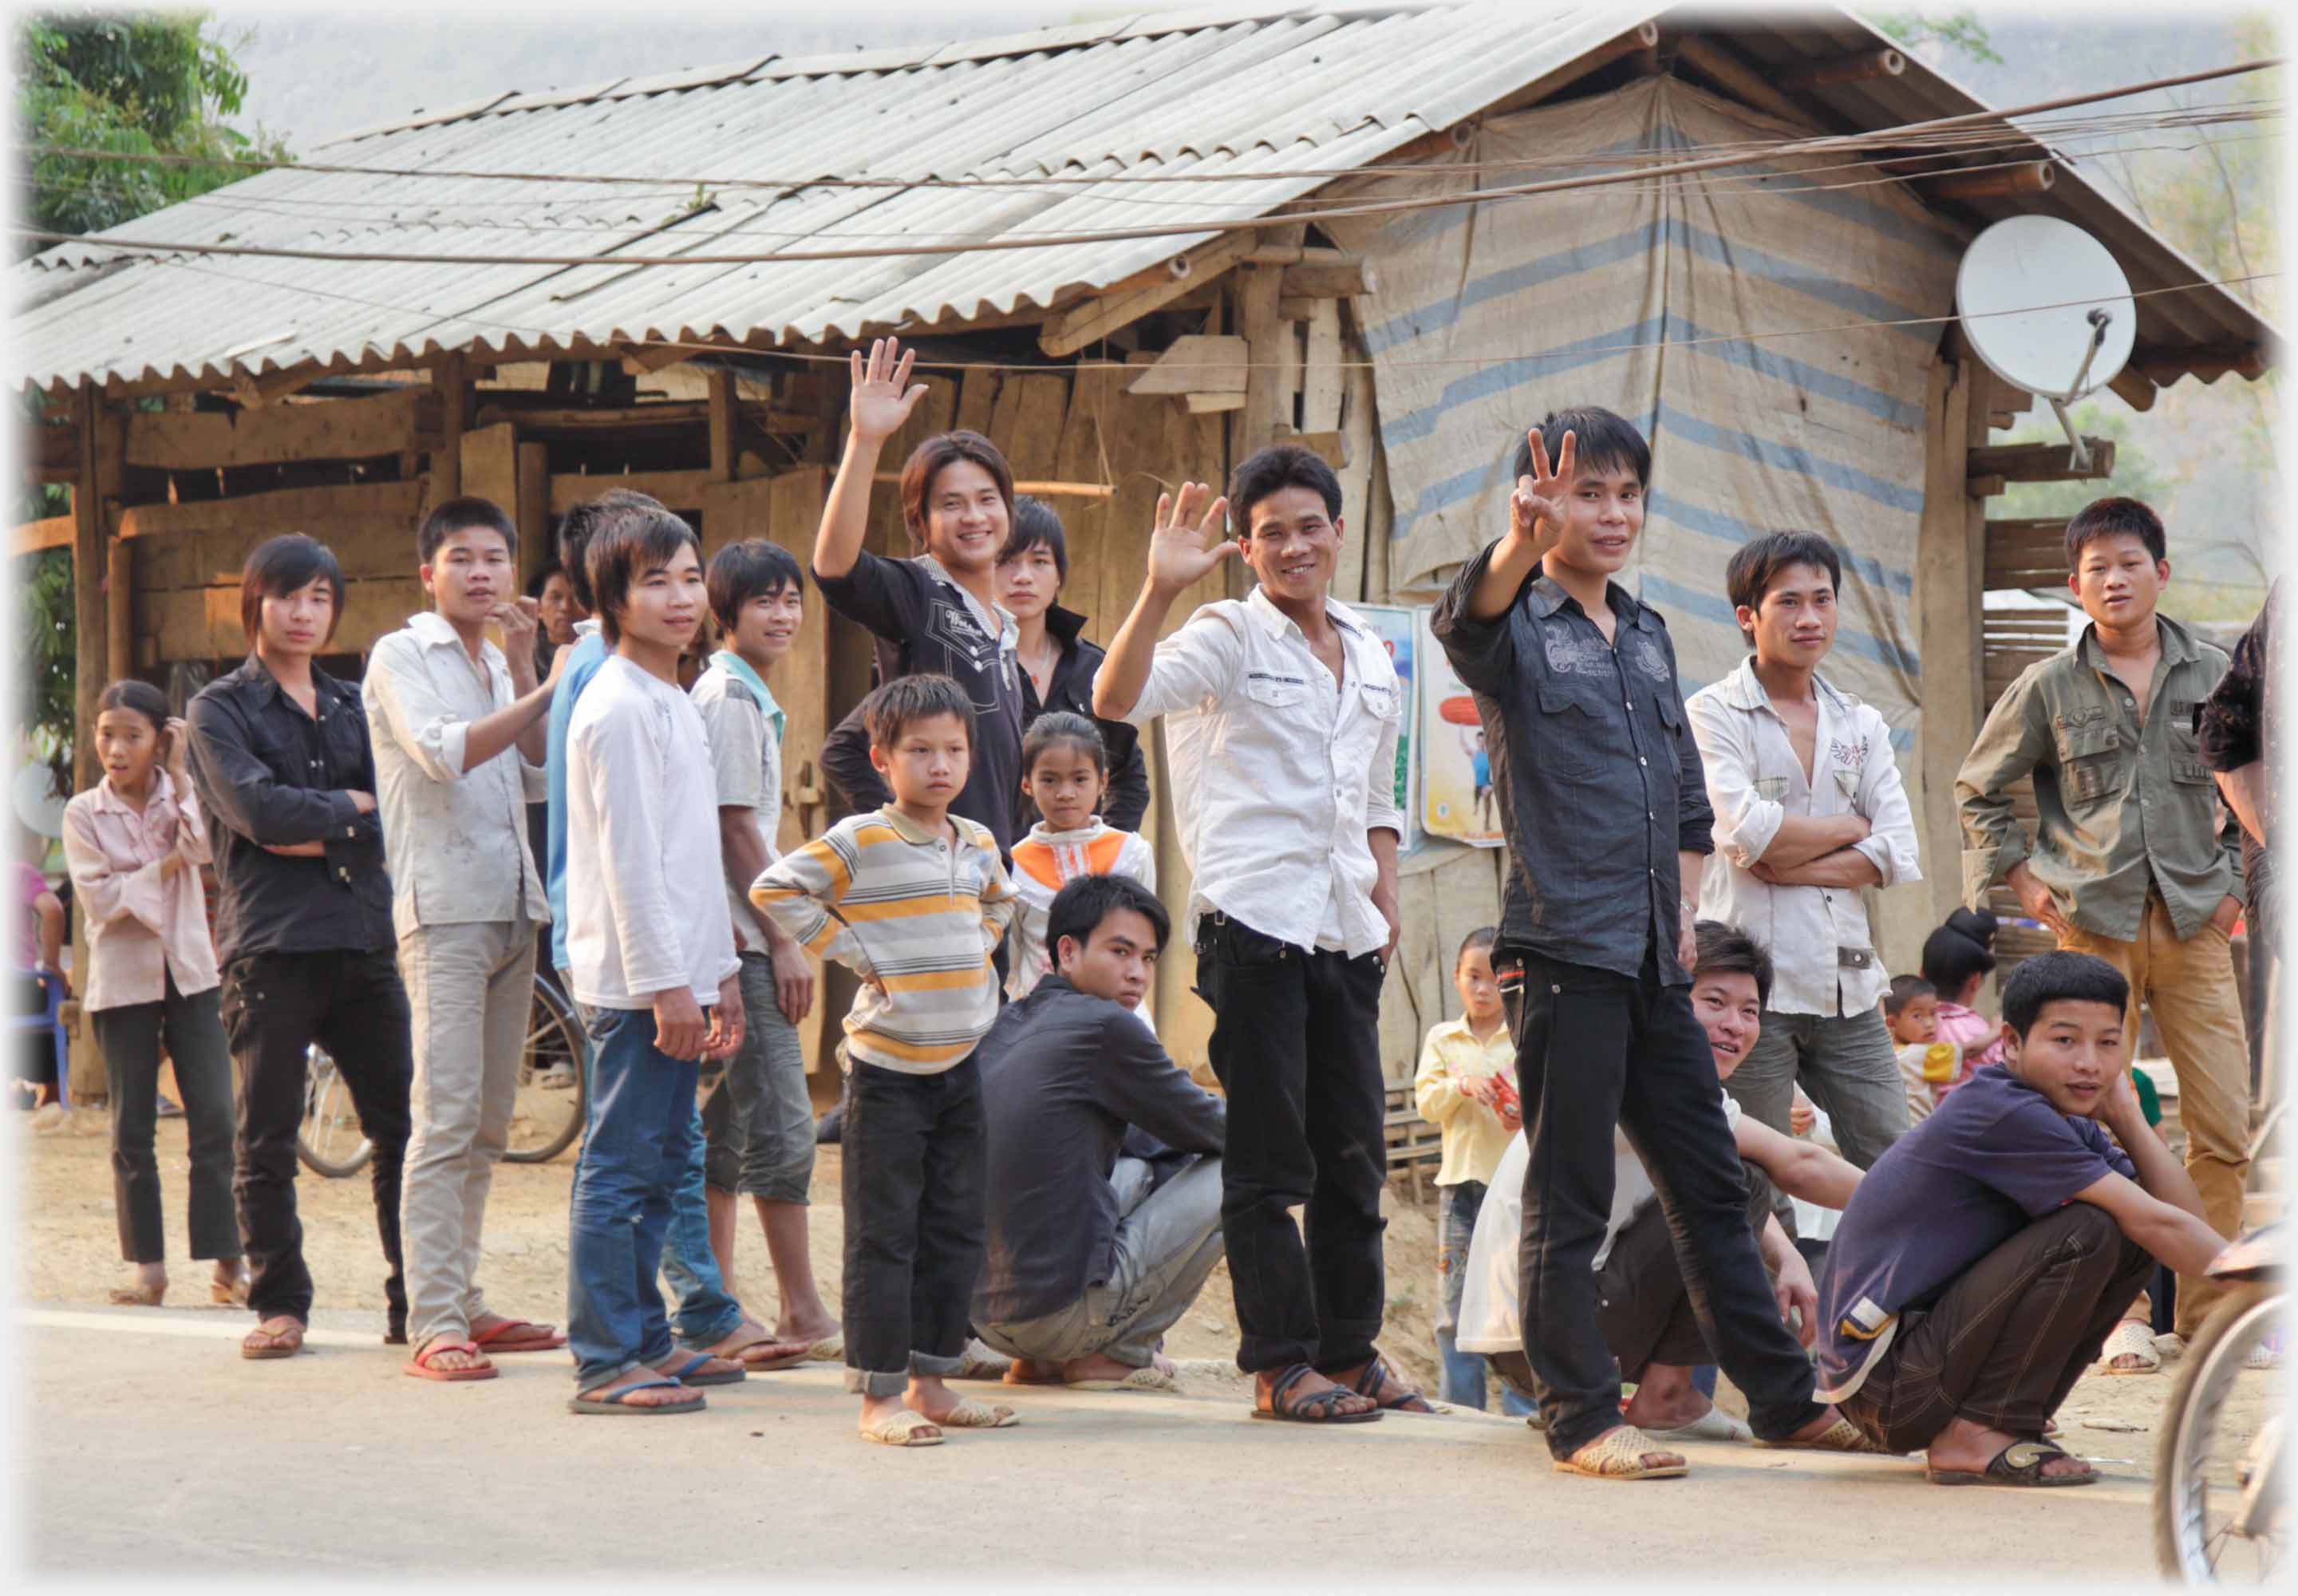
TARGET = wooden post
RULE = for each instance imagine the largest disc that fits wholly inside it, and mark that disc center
(447, 457)
(533, 512)
(722, 413)
(91, 564)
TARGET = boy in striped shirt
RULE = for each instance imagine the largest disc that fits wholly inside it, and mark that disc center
(915, 899)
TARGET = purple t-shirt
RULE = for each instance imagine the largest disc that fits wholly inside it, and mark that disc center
(1992, 1159)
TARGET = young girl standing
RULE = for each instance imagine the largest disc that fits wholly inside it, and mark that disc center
(135, 843)
(1065, 773)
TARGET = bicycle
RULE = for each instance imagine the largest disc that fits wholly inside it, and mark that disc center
(2218, 1480)
(554, 1074)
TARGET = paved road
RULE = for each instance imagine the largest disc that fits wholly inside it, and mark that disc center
(174, 1453)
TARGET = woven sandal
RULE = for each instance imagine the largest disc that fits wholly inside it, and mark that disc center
(905, 1428)
(979, 1362)
(970, 1415)
(2133, 1339)
(1619, 1454)
(1147, 1378)
(1842, 1436)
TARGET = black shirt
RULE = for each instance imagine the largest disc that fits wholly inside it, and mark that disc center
(1063, 1076)
(923, 623)
(1071, 689)
(1597, 779)
(267, 772)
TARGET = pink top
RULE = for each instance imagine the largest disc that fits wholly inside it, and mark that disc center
(1977, 1037)
(30, 884)
(143, 926)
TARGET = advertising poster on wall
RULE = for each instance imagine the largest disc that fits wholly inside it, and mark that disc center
(1401, 630)
(1456, 777)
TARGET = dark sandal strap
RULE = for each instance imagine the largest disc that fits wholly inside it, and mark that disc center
(1284, 1382)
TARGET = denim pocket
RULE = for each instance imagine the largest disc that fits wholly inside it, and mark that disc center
(601, 1024)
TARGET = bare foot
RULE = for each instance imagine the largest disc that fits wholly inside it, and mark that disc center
(1669, 1411)
(805, 1329)
(653, 1396)
(151, 1286)
(1093, 1366)
(1967, 1447)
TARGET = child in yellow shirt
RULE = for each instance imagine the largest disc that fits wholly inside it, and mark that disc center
(1466, 1084)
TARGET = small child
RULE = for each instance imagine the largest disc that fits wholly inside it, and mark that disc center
(1065, 773)
(916, 901)
(1957, 959)
(1926, 1063)
(1466, 1084)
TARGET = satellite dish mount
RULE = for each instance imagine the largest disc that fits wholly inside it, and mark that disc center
(2039, 297)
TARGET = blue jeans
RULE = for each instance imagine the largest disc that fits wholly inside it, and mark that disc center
(1461, 1376)
(639, 1137)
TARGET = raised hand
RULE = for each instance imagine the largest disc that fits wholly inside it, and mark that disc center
(519, 618)
(883, 396)
(1181, 553)
(175, 746)
(1536, 509)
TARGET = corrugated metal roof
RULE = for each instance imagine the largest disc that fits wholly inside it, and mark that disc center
(1179, 97)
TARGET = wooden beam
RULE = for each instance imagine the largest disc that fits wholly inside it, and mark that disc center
(677, 489)
(1323, 378)
(1197, 363)
(54, 454)
(1642, 37)
(2026, 552)
(1034, 489)
(256, 392)
(340, 516)
(2028, 176)
(1864, 66)
(491, 467)
(1097, 318)
(335, 429)
(532, 513)
(90, 565)
(2133, 389)
(54, 532)
(2041, 462)
(609, 418)
(724, 408)
(1213, 404)
(1340, 279)
(1741, 81)
(450, 378)
(119, 610)
(2212, 362)
(1268, 401)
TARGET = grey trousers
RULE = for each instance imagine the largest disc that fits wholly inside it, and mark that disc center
(1168, 1242)
(761, 1137)
(470, 988)
(1845, 1067)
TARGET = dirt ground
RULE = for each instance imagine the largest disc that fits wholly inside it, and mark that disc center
(71, 1251)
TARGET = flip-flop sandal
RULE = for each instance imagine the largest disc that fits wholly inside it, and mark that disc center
(1715, 1425)
(1148, 1377)
(230, 1293)
(137, 1296)
(902, 1429)
(1376, 1378)
(1842, 1436)
(1619, 1453)
(420, 1365)
(764, 1345)
(247, 1349)
(687, 1377)
(1318, 1407)
(2020, 1463)
(502, 1338)
(613, 1405)
(2132, 1339)
(970, 1415)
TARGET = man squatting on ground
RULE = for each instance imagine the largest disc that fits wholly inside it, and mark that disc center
(1105, 1185)
(1605, 810)
(1645, 1311)
(282, 765)
(1985, 1256)
(458, 739)
(1283, 712)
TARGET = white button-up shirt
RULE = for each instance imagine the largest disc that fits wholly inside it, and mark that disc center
(1821, 949)
(1278, 770)
(455, 839)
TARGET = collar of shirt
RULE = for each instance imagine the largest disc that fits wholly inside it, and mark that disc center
(435, 631)
(266, 686)
(1276, 622)
(909, 831)
(739, 668)
(2177, 645)
(996, 620)
(163, 797)
(1546, 596)
(1744, 689)
(1461, 1031)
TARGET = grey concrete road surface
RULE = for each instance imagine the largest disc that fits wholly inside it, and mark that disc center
(151, 1446)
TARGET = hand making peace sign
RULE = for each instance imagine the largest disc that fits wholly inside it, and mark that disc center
(1536, 510)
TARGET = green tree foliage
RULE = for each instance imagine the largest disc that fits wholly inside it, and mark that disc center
(1960, 32)
(135, 84)
(142, 83)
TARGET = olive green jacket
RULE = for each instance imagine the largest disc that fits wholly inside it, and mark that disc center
(2123, 806)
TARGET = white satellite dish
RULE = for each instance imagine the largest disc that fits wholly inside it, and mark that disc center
(2048, 311)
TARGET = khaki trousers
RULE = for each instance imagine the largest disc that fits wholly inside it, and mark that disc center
(471, 987)
(2190, 988)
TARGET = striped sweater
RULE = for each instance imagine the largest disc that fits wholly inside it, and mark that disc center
(916, 915)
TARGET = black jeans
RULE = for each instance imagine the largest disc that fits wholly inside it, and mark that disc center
(1296, 1046)
(274, 1005)
(2003, 1344)
(912, 1174)
(1593, 1048)
(128, 1036)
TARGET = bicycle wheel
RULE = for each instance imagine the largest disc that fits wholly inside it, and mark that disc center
(329, 1141)
(554, 1075)
(2218, 1513)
